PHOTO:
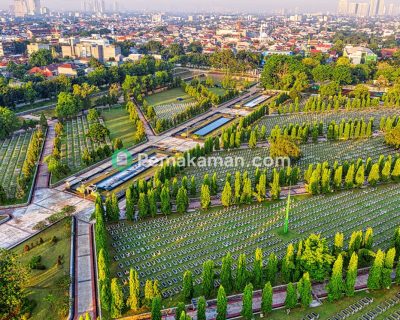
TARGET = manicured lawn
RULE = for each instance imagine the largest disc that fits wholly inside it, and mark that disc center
(218, 91)
(168, 97)
(120, 126)
(49, 288)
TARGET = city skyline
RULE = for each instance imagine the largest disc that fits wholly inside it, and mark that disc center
(252, 6)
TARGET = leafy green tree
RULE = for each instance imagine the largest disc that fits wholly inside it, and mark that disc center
(143, 205)
(222, 304)
(272, 268)
(201, 309)
(316, 258)
(134, 290)
(291, 296)
(180, 308)
(338, 243)
(226, 272)
(351, 276)
(396, 171)
(258, 269)
(41, 58)
(241, 273)
(188, 285)
(374, 175)
(165, 200)
(208, 277)
(13, 277)
(349, 180)
(388, 268)
(226, 197)
(104, 280)
(205, 199)
(182, 200)
(247, 309)
(275, 187)
(156, 309)
(67, 106)
(253, 140)
(336, 285)
(360, 176)
(288, 264)
(375, 273)
(117, 299)
(266, 299)
(304, 288)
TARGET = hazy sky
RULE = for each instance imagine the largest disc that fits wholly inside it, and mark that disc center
(259, 6)
(199, 5)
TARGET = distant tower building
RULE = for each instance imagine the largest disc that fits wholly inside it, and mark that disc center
(343, 7)
(362, 10)
(33, 6)
(376, 8)
(20, 8)
(115, 6)
(353, 8)
(381, 8)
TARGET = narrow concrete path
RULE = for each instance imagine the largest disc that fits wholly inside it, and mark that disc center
(85, 288)
(43, 174)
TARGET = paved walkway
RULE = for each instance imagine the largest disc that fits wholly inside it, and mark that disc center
(85, 297)
(43, 174)
(45, 203)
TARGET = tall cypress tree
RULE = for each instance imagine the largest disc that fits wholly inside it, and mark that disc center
(266, 299)
(226, 273)
(226, 197)
(205, 199)
(388, 268)
(182, 200)
(247, 309)
(156, 309)
(222, 304)
(375, 273)
(187, 285)
(258, 269)
(208, 277)
(201, 309)
(134, 290)
(130, 207)
(336, 285)
(117, 299)
(304, 289)
(272, 268)
(104, 280)
(291, 296)
(351, 276)
(241, 275)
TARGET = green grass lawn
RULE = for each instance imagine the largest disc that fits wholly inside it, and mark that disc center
(49, 288)
(218, 91)
(329, 309)
(120, 126)
(168, 96)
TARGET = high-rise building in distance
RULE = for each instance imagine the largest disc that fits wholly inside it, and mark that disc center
(26, 7)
